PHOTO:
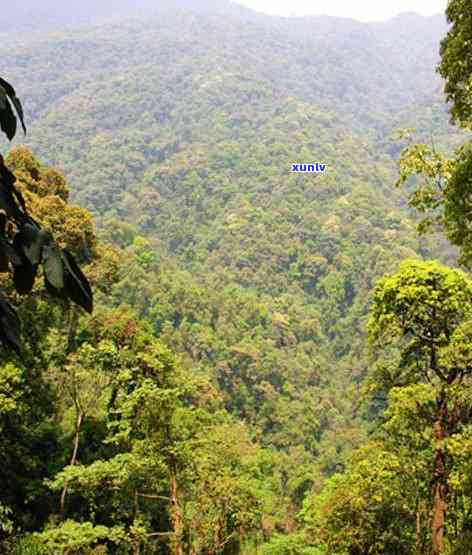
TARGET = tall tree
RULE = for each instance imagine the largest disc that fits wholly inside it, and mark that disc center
(426, 311)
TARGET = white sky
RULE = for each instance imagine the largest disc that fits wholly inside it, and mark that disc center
(364, 10)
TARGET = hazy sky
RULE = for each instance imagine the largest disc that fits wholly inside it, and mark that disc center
(365, 10)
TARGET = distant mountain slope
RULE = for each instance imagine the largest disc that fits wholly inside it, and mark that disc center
(179, 102)
(366, 72)
(40, 14)
(202, 111)
(115, 103)
(182, 127)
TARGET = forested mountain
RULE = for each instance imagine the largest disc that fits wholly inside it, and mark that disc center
(343, 66)
(186, 127)
(178, 131)
(31, 15)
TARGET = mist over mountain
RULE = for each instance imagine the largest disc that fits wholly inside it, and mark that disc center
(343, 65)
(34, 15)
(156, 100)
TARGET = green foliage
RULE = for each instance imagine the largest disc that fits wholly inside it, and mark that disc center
(456, 61)
(289, 545)
(6, 525)
(78, 538)
(28, 545)
(457, 207)
(211, 404)
(443, 193)
(420, 297)
(257, 278)
(24, 245)
(369, 509)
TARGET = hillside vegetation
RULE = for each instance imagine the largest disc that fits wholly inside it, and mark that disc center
(218, 395)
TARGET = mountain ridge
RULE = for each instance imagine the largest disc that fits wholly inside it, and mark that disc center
(49, 14)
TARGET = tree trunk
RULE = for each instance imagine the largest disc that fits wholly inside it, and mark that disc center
(136, 546)
(418, 531)
(440, 479)
(176, 509)
(422, 524)
(439, 518)
(73, 460)
(136, 540)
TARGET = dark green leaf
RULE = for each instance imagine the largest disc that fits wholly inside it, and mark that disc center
(24, 275)
(76, 284)
(7, 117)
(9, 327)
(53, 265)
(10, 91)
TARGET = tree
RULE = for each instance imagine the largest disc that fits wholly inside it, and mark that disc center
(444, 191)
(456, 61)
(32, 400)
(368, 509)
(426, 311)
(179, 470)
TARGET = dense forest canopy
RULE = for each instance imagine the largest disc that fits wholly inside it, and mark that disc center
(276, 363)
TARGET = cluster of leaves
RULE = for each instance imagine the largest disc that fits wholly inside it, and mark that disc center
(445, 183)
(24, 245)
(456, 62)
